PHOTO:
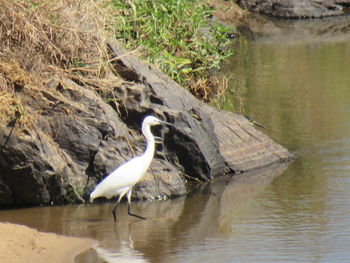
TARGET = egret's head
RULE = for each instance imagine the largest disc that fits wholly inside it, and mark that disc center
(151, 120)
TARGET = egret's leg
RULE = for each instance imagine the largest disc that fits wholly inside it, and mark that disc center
(115, 207)
(113, 212)
(128, 195)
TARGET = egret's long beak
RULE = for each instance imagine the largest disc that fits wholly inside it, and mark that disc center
(167, 123)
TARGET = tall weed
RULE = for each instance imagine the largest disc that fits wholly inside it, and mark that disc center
(175, 33)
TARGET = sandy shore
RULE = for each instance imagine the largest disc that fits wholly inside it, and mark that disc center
(20, 244)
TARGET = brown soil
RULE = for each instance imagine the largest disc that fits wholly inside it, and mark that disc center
(20, 244)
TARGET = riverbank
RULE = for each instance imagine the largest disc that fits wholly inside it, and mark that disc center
(69, 120)
(19, 244)
(72, 101)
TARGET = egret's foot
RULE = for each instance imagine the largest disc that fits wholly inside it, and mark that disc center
(140, 217)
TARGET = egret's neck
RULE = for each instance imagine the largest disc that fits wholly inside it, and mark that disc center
(150, 143)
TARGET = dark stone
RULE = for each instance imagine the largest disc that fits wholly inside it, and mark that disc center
(77, 137)
(73, 145)
(210, 139)
(292, 31)
(295, 8)
(26, 170)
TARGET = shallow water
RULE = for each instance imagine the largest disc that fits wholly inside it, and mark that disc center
(298, 87)
(186, 229)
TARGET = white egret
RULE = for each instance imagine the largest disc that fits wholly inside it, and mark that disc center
(121, 180)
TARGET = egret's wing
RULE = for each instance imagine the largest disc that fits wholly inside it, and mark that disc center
(127, 174)
(124, 177)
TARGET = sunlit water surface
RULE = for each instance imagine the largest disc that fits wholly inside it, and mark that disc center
(300, 91)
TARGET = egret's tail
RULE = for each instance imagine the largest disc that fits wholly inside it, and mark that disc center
(93, 196)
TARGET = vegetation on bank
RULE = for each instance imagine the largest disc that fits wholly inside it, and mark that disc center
(40, 38)
(177, 36)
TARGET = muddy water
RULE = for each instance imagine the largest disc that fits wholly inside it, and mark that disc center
(297, 84)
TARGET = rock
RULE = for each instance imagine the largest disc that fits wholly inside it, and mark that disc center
(27, 172)
(242, 146)
(289, 32)
(73, 134)
(224, 140)
(196, 151)
(78, 140)
(295, 8)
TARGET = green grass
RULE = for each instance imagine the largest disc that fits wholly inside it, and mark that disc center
(175, 33)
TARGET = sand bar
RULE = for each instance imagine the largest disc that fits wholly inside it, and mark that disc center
(20, 244)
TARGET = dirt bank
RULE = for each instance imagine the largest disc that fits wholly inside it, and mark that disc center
(23, 244)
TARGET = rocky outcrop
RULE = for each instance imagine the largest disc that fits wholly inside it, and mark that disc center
(262, 29)
(296, 8)
(225, 140)
(78, 132)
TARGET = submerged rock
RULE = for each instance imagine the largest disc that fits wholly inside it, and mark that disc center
(295, 8)
(80, 132)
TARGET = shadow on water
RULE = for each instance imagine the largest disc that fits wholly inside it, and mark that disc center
(174, 225)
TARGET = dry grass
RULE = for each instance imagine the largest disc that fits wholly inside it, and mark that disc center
(209, 90)
(61, 33)
(39, 38)
(11, 77)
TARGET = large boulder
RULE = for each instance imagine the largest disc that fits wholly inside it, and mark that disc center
(73, 133)
(225, 141)
(295, 8)
(263, 29)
